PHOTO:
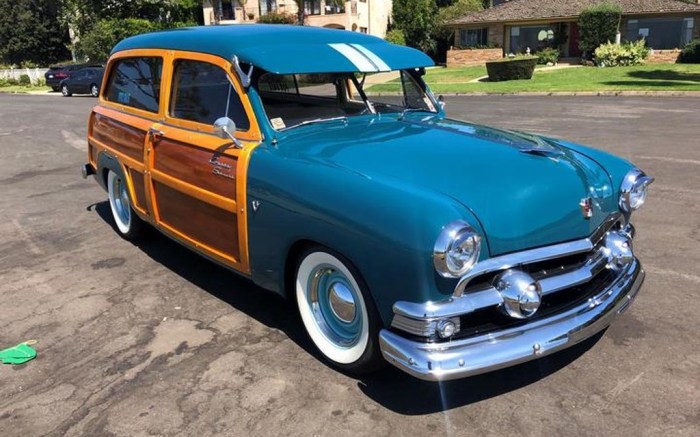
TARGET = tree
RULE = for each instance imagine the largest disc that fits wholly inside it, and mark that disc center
(30, 32)
(416, 18)
(98, 42)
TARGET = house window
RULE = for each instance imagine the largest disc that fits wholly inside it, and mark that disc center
(267, 6)
(473, 37)
(363, 29)
(312, 7)
(226, 10)
(535, 38)
(661, 33)
(335, 7)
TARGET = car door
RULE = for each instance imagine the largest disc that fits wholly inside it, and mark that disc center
(197, 178)
(76, 82)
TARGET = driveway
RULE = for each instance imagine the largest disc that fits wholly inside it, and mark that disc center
(151, 339)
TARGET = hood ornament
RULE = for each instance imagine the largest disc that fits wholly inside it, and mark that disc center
(586, 206)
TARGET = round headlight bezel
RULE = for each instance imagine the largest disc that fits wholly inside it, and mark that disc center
(633, 190)
(446, 258)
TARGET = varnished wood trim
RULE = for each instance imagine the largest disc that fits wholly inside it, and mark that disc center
(122, 137)
(139, 189)
(209, 170)
(195, 192)
(204, 224)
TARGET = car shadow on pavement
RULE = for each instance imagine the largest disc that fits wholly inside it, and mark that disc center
(389, 387)
(239, 292)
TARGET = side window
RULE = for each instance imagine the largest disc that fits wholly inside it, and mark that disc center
(202, 92)
(135, 82)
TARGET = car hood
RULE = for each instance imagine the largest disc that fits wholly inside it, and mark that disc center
(524, 190)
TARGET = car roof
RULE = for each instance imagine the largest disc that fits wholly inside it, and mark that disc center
(286, 49)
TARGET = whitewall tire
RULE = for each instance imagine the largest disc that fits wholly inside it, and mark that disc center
(129, 225)
(336, 311)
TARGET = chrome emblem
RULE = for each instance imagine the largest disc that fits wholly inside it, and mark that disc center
(586, 205)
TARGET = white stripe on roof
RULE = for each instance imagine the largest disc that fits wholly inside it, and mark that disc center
(376, 60)
(361, 62)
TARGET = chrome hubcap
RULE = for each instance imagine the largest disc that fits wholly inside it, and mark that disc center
(342, 302)
(333, 302)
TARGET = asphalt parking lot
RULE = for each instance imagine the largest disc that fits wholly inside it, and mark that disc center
(151, 339)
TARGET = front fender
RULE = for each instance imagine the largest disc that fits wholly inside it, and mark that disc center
(387, 228)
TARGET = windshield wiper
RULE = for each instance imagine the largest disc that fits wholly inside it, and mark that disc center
(318, 120)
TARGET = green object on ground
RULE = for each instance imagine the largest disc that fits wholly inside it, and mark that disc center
(19, 354)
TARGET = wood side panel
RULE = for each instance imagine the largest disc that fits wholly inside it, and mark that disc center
(212, 227)
(119, 136)
(206, 169)
(139, 188)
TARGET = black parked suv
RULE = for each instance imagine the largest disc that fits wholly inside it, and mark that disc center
(60, 72)
(85, 81)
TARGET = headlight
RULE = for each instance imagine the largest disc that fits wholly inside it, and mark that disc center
(633, 191)
(456, 249)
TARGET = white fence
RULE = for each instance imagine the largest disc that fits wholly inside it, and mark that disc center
(34, 73)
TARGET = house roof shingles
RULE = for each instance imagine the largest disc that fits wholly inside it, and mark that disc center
(526, 10)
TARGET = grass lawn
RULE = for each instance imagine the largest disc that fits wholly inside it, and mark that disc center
(663, 77)
(22, 89)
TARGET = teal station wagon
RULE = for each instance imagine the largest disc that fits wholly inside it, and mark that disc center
(444, 247)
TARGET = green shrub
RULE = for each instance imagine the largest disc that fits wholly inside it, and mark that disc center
(278, 18)
(511, 69)
(24, 80)
(547, 55)
(597, 25)
(613, 55)
(11, 82)
(690, 53)
(395, 36)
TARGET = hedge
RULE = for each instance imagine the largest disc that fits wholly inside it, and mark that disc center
(511, 69)
(597, 25)
(690, 53)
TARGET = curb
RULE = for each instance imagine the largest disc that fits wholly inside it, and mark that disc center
(564, 94)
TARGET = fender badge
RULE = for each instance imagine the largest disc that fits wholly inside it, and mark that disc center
(586, 206)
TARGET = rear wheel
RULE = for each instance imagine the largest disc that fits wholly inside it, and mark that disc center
(65, 91)
(94, 90)
(337, 311)
(129, 225)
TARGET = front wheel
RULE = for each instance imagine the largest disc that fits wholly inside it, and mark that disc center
(129, 225)
(338, 312)
(94, 90)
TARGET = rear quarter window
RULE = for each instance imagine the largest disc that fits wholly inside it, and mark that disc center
(135, 82)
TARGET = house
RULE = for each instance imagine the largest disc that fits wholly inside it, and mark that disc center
(518, 25)
(366, 16)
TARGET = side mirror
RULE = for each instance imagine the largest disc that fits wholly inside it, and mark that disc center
(441, 102)
(226, 128)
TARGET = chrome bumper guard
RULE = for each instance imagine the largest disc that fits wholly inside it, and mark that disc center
(496, 350)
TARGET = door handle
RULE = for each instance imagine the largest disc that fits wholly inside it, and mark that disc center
(155, 134)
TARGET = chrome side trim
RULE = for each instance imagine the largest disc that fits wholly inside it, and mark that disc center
(539, 254)
(488, 352)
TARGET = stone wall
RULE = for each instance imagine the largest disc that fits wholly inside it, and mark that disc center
(663, 56)
(462, 57)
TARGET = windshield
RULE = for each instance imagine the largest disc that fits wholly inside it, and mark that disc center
(296, 99)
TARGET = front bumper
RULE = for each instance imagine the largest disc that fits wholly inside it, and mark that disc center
(485, 353)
